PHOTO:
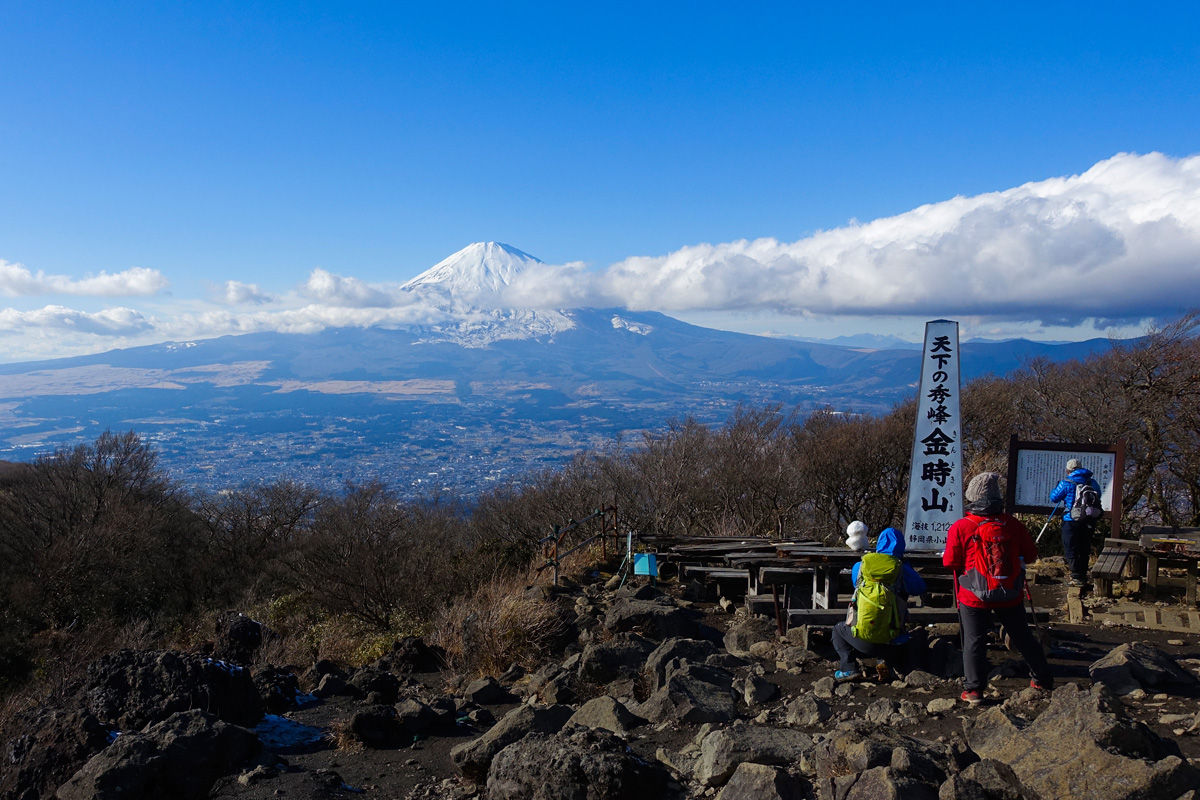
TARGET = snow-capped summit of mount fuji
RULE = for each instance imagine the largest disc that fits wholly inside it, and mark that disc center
(477, 274)
(469, 287)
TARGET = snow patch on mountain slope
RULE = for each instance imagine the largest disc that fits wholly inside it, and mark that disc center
(639, 328)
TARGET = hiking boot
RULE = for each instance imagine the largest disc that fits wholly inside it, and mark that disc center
(847, 675)
(883, 672)
(971, 698)
(1080, 582)
(1042, 686)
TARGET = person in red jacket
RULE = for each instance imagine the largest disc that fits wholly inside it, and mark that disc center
(988, 551)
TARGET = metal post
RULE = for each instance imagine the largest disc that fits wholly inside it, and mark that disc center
(603, 535)
(556, 555)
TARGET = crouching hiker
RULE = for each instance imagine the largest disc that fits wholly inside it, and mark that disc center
(875, 621)
(988, 550)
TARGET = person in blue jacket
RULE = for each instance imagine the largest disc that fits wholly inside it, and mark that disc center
(1076, 534)
(848, 645)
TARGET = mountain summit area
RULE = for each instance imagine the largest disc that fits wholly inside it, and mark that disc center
(476, 393)
(480, 271)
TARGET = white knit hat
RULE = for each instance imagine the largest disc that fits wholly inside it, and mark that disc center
(856, 535)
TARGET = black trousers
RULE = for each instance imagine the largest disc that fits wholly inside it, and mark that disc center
(976, 622)
(849, 646)
(1077, 546)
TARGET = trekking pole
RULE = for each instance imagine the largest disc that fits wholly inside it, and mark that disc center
(1032, 609)
(1047, 525)
(962, 634)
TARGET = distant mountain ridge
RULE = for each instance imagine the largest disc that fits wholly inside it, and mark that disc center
(486, 395)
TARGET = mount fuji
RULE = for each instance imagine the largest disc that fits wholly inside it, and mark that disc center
(480, 392)
(470, 286)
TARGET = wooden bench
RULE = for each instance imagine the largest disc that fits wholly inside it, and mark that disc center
(1112, 563)
(724, 577)
(1188, 558)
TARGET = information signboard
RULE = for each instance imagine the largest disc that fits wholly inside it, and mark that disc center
(1035, 468)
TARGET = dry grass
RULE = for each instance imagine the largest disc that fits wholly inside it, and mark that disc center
(61, 658)
(343, 738)
(487, 632)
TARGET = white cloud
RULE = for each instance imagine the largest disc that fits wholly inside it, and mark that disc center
(335, 290)
(309, 319)
(16, 280)
(109, 322)
(547, 286)
(1120, 241)
(236, 293)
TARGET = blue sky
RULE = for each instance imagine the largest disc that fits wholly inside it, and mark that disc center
(160, 151)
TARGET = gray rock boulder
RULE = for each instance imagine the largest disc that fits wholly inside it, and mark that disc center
(278, 689)
(723, 749)
(375, 726)
(656, 619)
(692, 693)
(694, 650)
(384, 685)
(335, 686)
(131, 689)
(877, 783)
(53, 744)
(1082, 745)
(761, 782)
(576, 764)
(1135, 665)
(858, 747)
(919, 679)
(475, 757)
(789, 657)
(757, 690)
(486, 692)
(413, 716)
(319, 784)
(885, 711)
(808, 710)
(986, 780)
(180, 757)
(606, 713)
(749, 631)
(622, 656)
(238, 638)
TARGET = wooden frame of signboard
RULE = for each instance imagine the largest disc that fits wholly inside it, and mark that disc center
(1020, 452)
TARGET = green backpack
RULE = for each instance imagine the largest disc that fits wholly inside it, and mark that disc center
(878, 609)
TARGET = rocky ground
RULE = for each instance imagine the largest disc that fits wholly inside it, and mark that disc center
(654, 695)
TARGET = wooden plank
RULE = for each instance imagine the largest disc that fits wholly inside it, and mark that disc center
(1111, 563)
(785, 575)
(717, 573)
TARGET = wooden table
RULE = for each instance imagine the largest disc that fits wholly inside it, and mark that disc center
(1171, 547)
(828, 563)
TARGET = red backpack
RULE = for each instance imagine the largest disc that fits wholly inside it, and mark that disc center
(993, 570)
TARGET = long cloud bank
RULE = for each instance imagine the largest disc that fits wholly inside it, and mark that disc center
(1117, 244)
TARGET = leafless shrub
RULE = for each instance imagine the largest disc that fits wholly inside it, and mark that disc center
(496, 626)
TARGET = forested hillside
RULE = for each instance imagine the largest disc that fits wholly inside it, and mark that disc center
(98, 548)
